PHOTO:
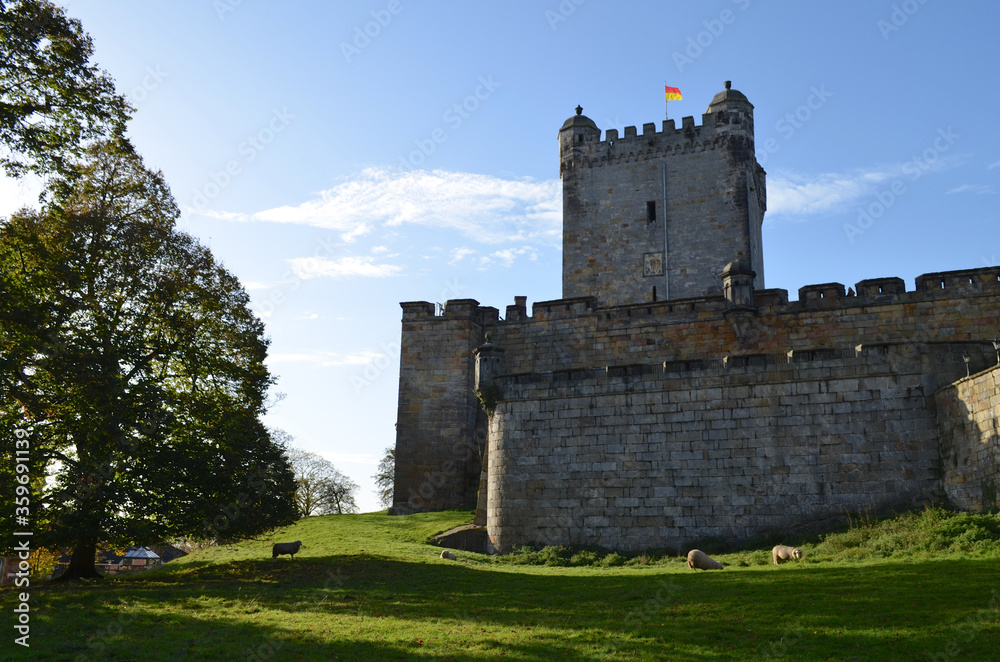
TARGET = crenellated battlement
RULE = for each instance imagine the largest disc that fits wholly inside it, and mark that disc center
(831, 297)
(668, 133)
(668, 142)
(864, 359)
(959, 283)
(881, 358)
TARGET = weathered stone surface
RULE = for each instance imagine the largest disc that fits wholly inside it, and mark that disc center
(658, 215)
(698, 460)
(438, 452)
(969, 424)
(468, 538)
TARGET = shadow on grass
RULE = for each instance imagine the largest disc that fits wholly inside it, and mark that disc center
(371, 608)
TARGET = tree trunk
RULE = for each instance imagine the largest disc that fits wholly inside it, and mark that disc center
(82, 562)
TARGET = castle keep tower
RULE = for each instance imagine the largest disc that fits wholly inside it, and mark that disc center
(658, 216)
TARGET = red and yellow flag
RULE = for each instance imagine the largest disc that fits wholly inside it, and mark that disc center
(672, 93)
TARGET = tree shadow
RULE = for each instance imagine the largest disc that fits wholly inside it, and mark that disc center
(374, 608)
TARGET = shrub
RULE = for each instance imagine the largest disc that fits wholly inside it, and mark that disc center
(585, 557)
(614, 559)
(555, 556)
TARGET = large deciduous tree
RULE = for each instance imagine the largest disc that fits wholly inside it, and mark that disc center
(131, 361)
(53, 100)
(321, 488)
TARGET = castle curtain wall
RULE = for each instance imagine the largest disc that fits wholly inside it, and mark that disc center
(662, 460)
(649, 425)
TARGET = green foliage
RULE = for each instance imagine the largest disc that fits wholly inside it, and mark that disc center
(132, 362)
(560, 557)
(912, 535)
(933, 531)
(53, 100)
(385, 477)
(585, 557)
(640, 560)
(744, 559)
(489, 397)
(612, 560)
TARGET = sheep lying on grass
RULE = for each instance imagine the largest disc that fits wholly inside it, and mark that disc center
(782, 553)
(699, 560)
(290, 548)
(448, 555)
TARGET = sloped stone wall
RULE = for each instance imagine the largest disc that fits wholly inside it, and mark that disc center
(969, 425)
(664, 460)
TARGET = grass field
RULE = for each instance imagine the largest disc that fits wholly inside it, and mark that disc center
(367, 587)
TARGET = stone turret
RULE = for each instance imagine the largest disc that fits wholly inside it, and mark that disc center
(575, 135)
(737, 285)
(489, 363)
(733, 111)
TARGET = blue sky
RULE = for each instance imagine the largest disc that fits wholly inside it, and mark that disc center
(342, 157)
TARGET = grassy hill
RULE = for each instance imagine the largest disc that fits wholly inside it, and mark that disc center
(922, 586)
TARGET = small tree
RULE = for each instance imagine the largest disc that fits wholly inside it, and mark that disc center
(321, 488)
(338, 493)
(385, 477)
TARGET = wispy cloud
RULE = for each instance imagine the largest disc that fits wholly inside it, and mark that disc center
(981, 189)
(343, 267)
(798, 194)
(459, 254)
(995, 164)
(483, 208)
(508, 256)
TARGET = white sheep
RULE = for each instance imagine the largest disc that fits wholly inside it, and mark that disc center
(699, 560)
(782, 553)
(448, 555)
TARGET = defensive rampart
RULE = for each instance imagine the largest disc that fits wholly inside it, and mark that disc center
(916, 338)
(672, 456)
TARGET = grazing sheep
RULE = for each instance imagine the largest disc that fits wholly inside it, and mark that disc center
(699, 560)
(448, 555)
(782, 553)
(290, 548)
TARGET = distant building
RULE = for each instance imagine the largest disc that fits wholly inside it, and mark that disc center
(137, 559)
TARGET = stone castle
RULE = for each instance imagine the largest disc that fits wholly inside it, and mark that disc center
(669, 396)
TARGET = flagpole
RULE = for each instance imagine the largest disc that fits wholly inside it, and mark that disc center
(666, 110)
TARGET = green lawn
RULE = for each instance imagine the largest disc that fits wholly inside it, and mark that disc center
(367, 587)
